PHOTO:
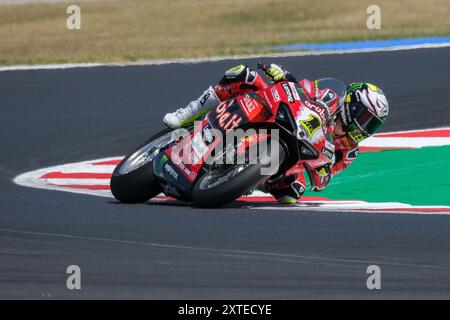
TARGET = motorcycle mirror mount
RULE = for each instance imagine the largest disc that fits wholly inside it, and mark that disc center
(262, 66)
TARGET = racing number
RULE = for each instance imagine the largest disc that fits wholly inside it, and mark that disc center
(311, 124)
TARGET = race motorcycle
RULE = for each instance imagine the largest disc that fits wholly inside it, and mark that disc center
(159, 165)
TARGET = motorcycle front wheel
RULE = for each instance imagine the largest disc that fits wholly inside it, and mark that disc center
(224, 184)
(133, 180)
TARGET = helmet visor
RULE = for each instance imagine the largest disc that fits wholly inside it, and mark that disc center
(364, 123)
(368, 122)
(365, 119)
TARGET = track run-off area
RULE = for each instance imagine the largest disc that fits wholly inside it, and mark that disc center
(64, 129)
(386, 177)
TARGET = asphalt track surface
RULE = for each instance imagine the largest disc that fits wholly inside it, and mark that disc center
(51, 117)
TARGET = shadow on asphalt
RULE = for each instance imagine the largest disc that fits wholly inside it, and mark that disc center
(233, 205)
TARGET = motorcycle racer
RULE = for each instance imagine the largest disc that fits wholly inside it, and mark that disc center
(364, 110)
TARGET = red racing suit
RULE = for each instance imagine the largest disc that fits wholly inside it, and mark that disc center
(345, 149)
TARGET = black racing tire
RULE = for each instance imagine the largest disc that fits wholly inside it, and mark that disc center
(137, 186)
(240, 184)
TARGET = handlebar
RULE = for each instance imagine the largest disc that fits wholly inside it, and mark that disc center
(262, 66)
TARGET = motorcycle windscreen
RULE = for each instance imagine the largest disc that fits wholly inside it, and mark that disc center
(338, 86)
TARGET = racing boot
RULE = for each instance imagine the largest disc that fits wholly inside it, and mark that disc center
(238, 80)
(287, 190)
(193, 111)
(289, 195)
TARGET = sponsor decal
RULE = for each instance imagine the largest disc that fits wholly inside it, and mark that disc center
(193, 158)
(204, 98)
(318, 109)
(356, 135)
(275, 94)
(248, 105)
(225, 119)
(328, 96)
(311, 124)
(199, 146)
(233, 123)
(329, 153)
(329, 149)
(352, 154)
(251, 77)
(288, 92)
(223, 87)
(294, 91)
(185, 169)
(325, 106)
(207, 135)
(179, 163)
(171, 171)
(161, 163)
(223, 106)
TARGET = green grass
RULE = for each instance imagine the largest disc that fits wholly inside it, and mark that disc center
(159, 29)
(418, 177)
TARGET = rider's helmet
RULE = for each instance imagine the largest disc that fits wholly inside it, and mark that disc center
(364, 111)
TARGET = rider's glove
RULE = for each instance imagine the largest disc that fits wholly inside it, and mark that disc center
(276, 72)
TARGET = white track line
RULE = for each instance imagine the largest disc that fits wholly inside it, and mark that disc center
(249, 254)
(215, 59)
(410, 131)
(398, 142)
(344, 209)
